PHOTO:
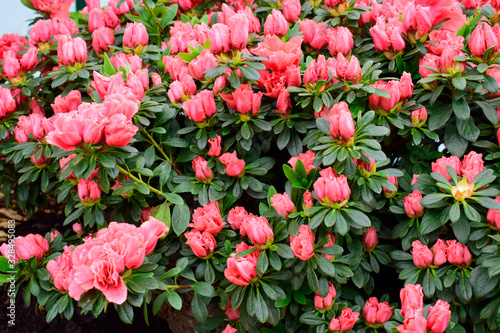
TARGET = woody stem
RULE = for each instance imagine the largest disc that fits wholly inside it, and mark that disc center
(157, 146)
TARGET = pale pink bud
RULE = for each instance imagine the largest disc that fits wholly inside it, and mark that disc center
(413, 208)
(276, 24)
(202, 172)
(422, 255)
(238, 25)
(282, 203)
(439, 250)
(215, 146)
(102, 38)
(291, 10)
(96, 19)
(219, 38)
(200, 106)
(29, 59)
(135, 35)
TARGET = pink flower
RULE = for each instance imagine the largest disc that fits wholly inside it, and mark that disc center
(119, 130)
(376, 313)
(243, 100)
(12, 42)
(200, 106)
(370, 239)
(276, 24)
(413, 208)
(458, 254)
(385, 105)
(303, 244)
(493, 216)
(198, 66)
(282, 204)
(472, 165)
(366, 169)
(341, 124)
(236, 216)
(146, 211)
(419, 117)
(96, 19)
(439, 316)
(412, 301)
(258, 231)
(31, 245)
(331, 242)
(135, 36)
(239, 26)
(208, 218)
(306, 158)
(243, 270)
(229, 329)
(281, 55)
(417, 20)
(7, 103)
(325, 303)
(308, 200)
(175, 66)
(35, 124)
(56, 8)
(233, 315)
(60, 269)
(481, 39)
(202, 244)
(101, 38)
(152, 229)
(415, 324)
(71, 51)
(219, 38)
(77, 228)
(332, 189)
(215, 146)
(202, 172)
(439, 252)
(348, 70)
(89, 192)
(68, 103)
(441, 163)
(291, 10)
(345, 322)
(235, 167)
(422, 255)
(340, 40)
(314, 33)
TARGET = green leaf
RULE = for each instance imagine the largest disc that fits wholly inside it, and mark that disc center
(358, 217)
(490, 83)
(459, 82)
(180, 218)
(203, 289)
(324, 265)
(461, 108)
(250, 73)
(461, 229)
(125, 312)
(142, 188)
(262, 263)
(284, 251)
(199, 309)
(430, 221)
(455, 212)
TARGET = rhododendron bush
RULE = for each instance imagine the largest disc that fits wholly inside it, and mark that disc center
(270, 165)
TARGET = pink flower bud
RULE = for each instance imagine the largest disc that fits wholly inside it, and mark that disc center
(308, 200)
(390, 193)
(458, 254)
(238, 25)
(7, 103)
(31, 245)
(282, 204)
(29, 59)
(306, 158)
(439, 316)
(71, 51)
(324, 304)
(219, 38)
(229, 329)
(405, 86)
(202, 172)
(208, 218)
(77, 228)
(156, 79)
(146, 211)
(200, 106)
(341, 124)
(11, 65)
(376, 313)
(96, 19)
(135, 36)
(234, 166)
(89, 192)
(291, 10)
(422, 255)
(303, 244)
(370, 239)
(439, 251)
(441, 163)
(384, 105)
(233, 315)
(258, 231)
(429, 60)
(41, 32)
(41, 161)
(412, 301)
(101, 38)
(366, 169)
(419, 117)
(413, 208)
(345, 322)
(175, 92)
(493, 216)
(202, 244)
(472, 165)
(276, 24)
(215, 146)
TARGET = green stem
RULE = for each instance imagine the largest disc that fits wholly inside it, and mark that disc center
(178, 287)
(154, 18)
(157, 146)
(128, 173)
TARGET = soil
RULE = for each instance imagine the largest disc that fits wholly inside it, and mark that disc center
(28, 319)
